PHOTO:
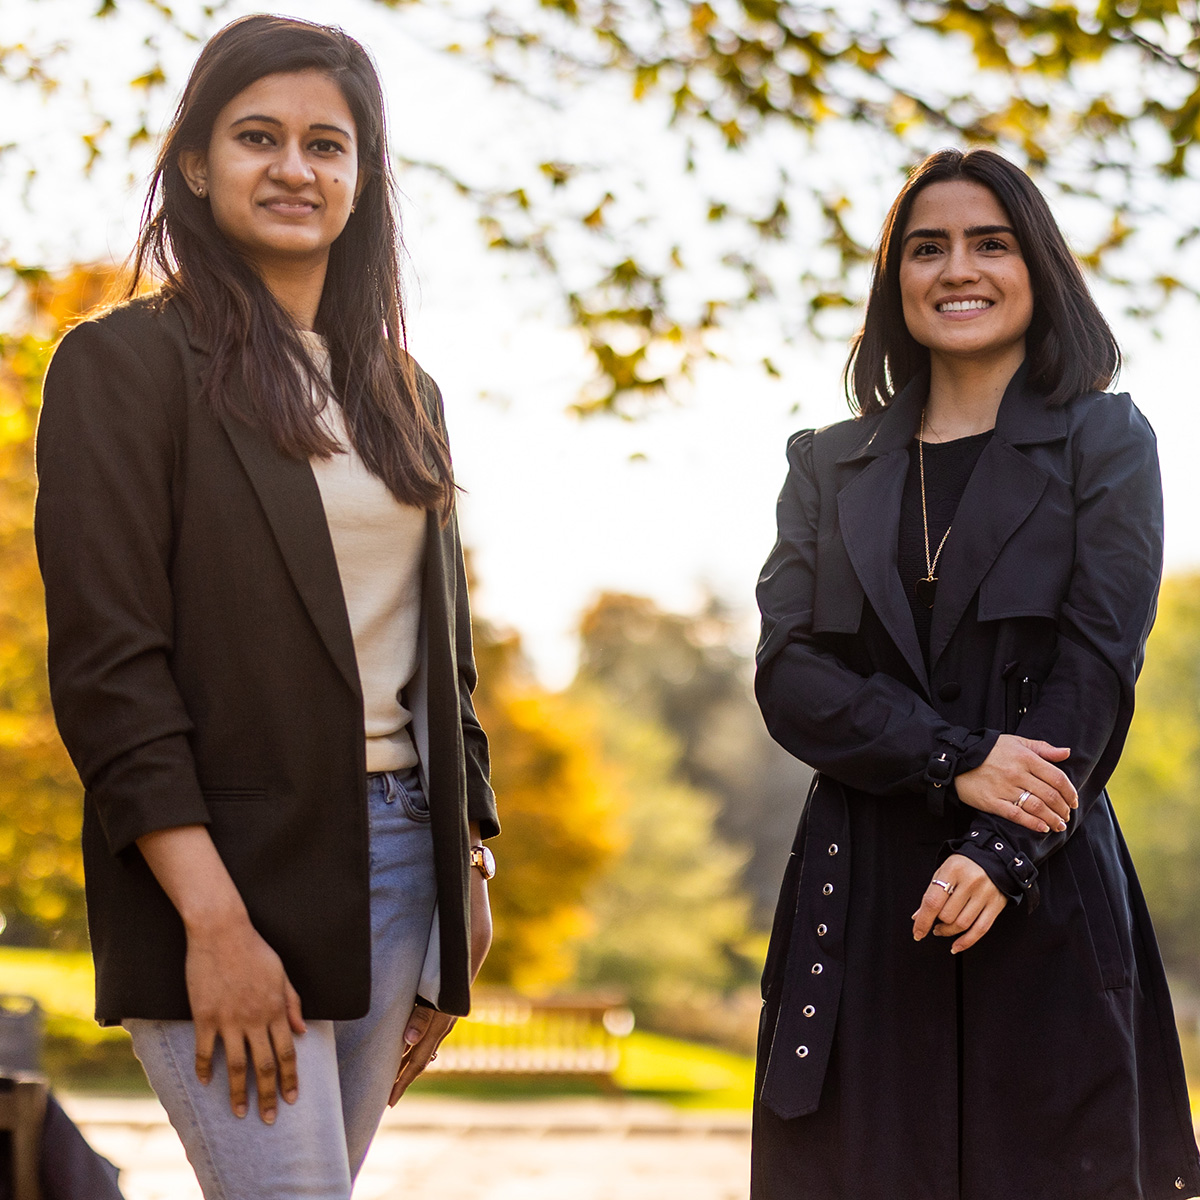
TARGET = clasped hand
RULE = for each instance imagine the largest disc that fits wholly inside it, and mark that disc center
(1019, 782)
(964, 909)
(961, 901)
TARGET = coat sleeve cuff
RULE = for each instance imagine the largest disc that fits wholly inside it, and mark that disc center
(147, 789)
(1008, 868)
(956, 750)
(481, 807)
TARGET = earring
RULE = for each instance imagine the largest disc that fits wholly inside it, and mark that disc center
(200, 191)
(353, 207)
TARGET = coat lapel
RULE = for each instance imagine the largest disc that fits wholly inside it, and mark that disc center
(869, 516)
(291, 500)
(1002, 492)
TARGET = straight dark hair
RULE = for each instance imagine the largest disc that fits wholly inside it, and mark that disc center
(261, 371)
(1068, 346)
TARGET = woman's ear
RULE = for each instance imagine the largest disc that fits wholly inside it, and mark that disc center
(193, 166)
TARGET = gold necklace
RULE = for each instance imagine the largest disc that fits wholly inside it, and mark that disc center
(926, 588)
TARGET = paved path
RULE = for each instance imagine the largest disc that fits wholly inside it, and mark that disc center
(459, 1150)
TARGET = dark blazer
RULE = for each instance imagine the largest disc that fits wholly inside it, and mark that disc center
(202, 670)
(1042, 1062)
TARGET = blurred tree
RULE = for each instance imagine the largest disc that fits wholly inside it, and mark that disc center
(671, 919)
(1156, 787)
(681, 672)
(1101, 101)
(41, 874)
(561, 807)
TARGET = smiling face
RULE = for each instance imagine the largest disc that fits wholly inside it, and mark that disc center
(964, 284)
(280, 170)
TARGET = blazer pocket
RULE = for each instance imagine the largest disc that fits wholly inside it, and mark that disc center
(242, 795)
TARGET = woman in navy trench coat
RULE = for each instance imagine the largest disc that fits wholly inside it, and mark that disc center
(1012, 1038)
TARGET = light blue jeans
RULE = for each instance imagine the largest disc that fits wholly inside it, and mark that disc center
(346, 1068)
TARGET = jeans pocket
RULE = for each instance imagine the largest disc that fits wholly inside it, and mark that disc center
(408, 791)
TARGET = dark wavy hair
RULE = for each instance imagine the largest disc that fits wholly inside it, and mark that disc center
(1068, 346)
(361, 314)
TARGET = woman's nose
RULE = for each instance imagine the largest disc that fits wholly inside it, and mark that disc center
(290, 167)
(959, 265)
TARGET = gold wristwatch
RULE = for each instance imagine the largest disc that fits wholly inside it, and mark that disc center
(484, 861)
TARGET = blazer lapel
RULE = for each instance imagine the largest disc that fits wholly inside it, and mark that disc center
(1002, 492)
(869, 516)
(288, 493)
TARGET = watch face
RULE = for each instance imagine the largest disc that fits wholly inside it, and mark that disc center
(484, 860)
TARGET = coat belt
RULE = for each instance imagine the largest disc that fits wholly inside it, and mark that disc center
(816, 960)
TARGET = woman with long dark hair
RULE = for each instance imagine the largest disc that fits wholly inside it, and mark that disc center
(964, 999)
(259, 641)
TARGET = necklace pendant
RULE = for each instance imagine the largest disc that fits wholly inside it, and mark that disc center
(926, 590)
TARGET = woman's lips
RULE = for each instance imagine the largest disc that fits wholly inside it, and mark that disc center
(972, 305)
(290, 208)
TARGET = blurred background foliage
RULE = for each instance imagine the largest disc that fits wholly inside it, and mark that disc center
(1100, 99)
(647, 815)
(1156, 787)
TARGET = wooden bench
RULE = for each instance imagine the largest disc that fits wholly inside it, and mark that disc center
(510, 1036)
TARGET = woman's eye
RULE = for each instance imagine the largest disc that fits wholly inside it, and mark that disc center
(925, 249)
(325, 146)
(255, 137)
(994, 244)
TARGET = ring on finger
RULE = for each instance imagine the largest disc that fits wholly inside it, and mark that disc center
(1021, 800)
(948, 888)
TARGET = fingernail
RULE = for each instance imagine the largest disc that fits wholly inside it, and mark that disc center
(290, 1096)
(1061, 826)
(953, 949)
(412, 1035)
(239, 1110)
(1045, 829)
(269, 1117)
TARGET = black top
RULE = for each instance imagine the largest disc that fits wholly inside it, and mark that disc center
(948, 466)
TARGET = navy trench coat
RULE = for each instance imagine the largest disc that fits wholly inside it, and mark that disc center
(1043, 1063)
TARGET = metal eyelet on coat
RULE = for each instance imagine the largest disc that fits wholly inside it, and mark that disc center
(801, 1051)
(833, 849)
(809, 1011)
(999, 845)
(817, 968)
(828, 889)
(822, 930)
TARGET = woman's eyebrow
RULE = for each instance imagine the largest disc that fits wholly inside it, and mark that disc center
(265, 120)
(973, 231)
